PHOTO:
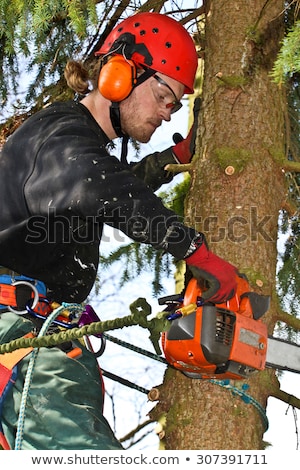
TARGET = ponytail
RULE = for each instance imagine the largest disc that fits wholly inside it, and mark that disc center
(79, 78)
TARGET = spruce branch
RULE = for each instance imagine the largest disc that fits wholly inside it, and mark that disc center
(179, 168)
(286, 397)
(288, 319)
(291, 166)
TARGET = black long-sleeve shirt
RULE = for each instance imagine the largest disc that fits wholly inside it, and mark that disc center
(59, 185)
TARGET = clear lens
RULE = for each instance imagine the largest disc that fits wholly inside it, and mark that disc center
(162, 96)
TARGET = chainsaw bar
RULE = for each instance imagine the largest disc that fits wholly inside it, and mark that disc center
(283, 355)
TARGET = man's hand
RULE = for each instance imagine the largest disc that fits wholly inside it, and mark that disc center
(219, 274)
(185, 148)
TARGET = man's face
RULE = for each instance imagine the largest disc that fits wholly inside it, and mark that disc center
(148, 105)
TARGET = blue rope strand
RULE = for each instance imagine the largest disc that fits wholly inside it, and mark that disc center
(245, 397)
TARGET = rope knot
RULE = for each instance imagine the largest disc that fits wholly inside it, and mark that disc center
(140, 310)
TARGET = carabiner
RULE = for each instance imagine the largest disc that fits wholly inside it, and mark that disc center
(30, 309)
(90, 347)
(34, 301)
(87, 317)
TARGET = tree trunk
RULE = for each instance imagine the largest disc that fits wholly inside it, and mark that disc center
(237, 190)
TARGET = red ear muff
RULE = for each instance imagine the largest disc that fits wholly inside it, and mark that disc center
(117, 78)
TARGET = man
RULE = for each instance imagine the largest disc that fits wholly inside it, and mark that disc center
(59, 185)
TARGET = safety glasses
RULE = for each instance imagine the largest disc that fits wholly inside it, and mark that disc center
(162, 98)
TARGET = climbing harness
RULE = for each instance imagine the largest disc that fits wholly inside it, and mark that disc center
(15, 290)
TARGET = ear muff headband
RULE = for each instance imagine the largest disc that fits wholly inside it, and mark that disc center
(117, 78)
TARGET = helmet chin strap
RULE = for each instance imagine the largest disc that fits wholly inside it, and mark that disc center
(115, 116)
(116, 123)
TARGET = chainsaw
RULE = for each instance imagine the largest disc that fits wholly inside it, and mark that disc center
(224, 341)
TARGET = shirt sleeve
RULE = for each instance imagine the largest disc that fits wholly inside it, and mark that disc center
(74, 177)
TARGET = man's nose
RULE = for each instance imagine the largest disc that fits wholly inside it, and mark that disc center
(165, 114)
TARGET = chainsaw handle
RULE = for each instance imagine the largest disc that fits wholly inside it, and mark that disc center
(244, 301)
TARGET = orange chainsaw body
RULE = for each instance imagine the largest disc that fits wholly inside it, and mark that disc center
(226, 340)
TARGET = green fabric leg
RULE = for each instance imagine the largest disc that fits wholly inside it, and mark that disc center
(64, 407)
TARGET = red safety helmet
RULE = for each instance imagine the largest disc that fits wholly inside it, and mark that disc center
(155, 41)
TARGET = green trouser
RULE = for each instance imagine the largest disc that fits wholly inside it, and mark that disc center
(64, 405)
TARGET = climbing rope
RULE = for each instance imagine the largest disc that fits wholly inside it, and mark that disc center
(140, 309)
(125, 382)
(136, 349)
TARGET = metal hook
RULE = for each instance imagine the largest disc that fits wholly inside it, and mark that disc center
(90, 348)
(35, 299)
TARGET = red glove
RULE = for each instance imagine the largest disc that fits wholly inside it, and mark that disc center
(185, 148)
(220, 275)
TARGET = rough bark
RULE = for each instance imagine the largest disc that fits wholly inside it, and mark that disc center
(237, 190)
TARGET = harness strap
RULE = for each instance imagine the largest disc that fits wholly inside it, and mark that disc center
(16, 290)
(8, 375)
(8, 295)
